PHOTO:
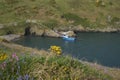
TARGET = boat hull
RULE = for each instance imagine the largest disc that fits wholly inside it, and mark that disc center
(69, 39)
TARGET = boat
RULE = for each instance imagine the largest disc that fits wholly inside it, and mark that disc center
(65, 37)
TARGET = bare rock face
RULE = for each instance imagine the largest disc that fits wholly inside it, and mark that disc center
(79, 28)
(39, 31)
(48, 32)
(10, 37)
(69, 33)
(36, 31)
(51, 33)
(108, 29)
(1, 26)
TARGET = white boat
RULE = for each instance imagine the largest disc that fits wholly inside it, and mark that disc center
(65, 37)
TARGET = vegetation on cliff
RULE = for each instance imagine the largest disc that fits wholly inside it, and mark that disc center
(19, 62)
(54, 66)
(93, 14)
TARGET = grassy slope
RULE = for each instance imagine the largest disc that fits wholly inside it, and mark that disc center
(89, 70)
(48, 9)
(58, 13)
(49, 66)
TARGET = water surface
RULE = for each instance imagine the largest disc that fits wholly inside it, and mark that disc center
(103, 48)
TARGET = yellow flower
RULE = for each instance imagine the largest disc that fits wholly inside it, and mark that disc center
(58, 52)
(56, 49)
(65, 69)
(3, 56)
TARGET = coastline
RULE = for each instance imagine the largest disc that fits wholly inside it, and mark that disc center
(55, 18)
(7, 42)
(10, 37)
(54, 34)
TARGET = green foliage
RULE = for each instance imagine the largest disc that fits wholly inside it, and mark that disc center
(100, 3)
(76, 12)
(110, 3)
(76, 19)
(50, 23)
(9, 30)
(115, 19)
(70, 16)
(2, 32)
(52, 2)
(115, 22)
(74, 3)
(32, 0)
(34, 67)
(17, 28)
(66, 66)
(11, 1)
(17, 68)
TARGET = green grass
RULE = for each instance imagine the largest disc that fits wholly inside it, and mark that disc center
(16, 11)
(14, 28)
(40, 64)
(51, 68)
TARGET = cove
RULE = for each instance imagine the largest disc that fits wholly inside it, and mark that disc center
(103, 48)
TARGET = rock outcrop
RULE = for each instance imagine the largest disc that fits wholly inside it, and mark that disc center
(10, 37)
(69, 33)
(36, 31)
(108, 29)
(51, 33)
(1, 26)
(58, 32)
(39, 31)
(78, 28)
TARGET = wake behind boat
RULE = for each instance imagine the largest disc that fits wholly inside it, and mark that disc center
(65, 37)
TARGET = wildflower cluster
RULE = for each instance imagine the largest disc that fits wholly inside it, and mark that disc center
(13, 67)
(56, 49)
(14, 56)
(34, 67)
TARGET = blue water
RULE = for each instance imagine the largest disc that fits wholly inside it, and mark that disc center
(103, 48)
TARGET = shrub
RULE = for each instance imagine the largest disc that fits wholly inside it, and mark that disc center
(74, 3)
(76, 19)
(11, 1)
(115, 22)
(98, 3)
(115, 19)
(36, 67)
(52, 2)
(9, 30)
(51, 23)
